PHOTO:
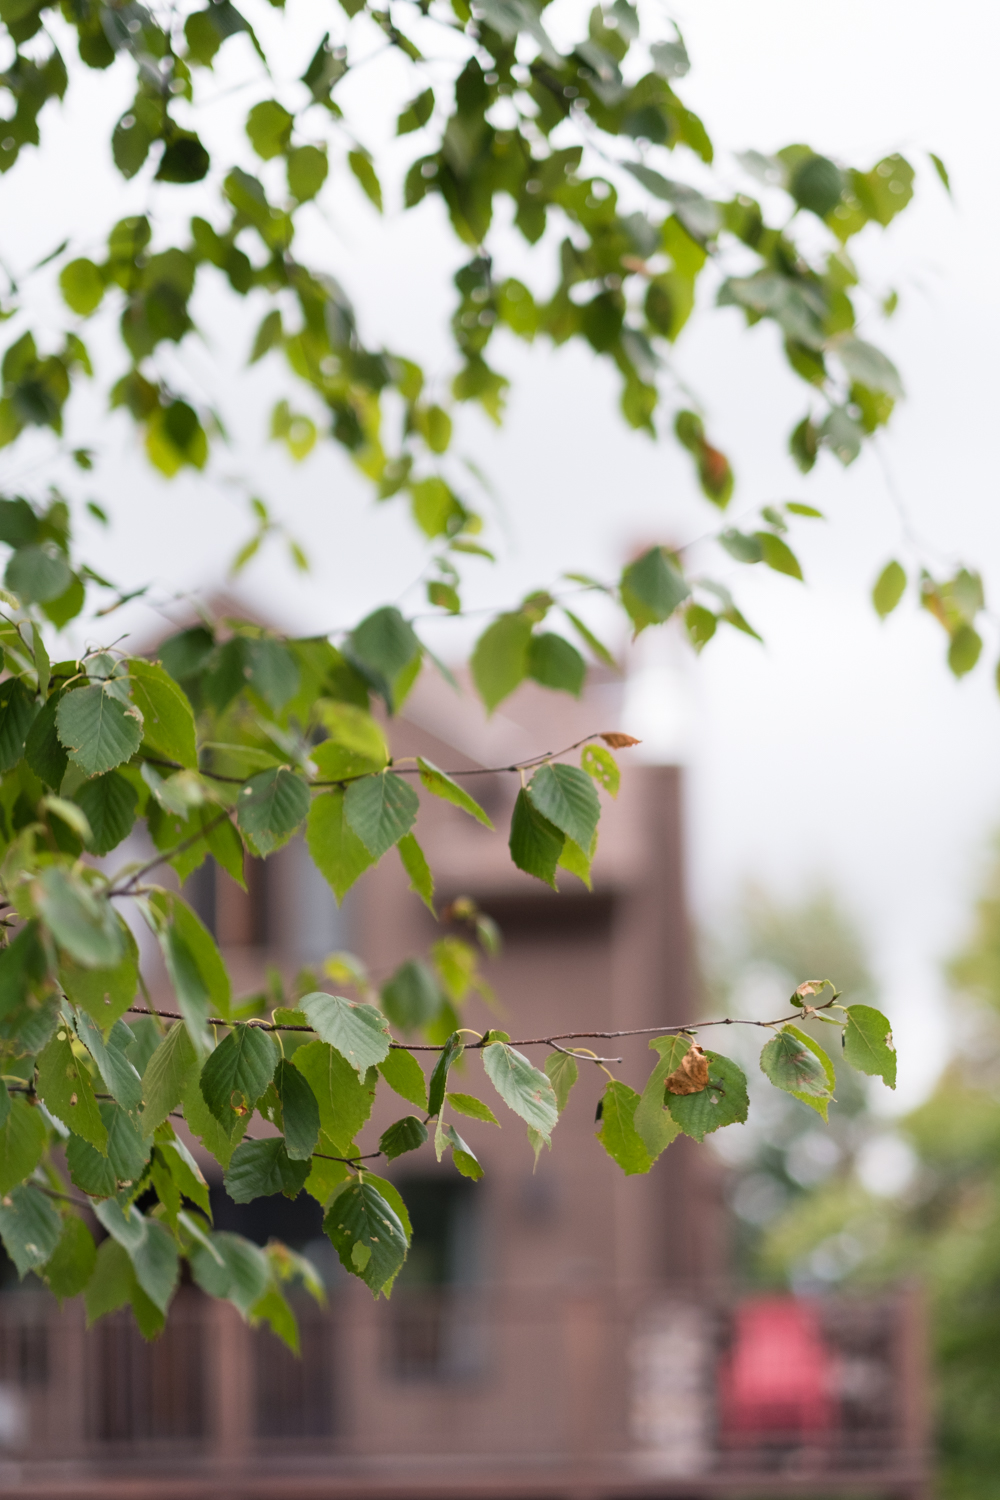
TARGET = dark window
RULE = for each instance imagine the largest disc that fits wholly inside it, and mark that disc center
(437, 1328)
(296, 1222)
(443, 1214)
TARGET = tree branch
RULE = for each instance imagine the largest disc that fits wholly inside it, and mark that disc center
(128, 888)
(525, 765)
(532, 1041)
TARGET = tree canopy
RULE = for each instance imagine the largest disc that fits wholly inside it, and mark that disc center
(234, 739)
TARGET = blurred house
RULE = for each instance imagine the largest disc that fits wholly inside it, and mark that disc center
(558, 1331)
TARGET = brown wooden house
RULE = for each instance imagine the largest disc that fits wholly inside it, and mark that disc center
(558, 1331)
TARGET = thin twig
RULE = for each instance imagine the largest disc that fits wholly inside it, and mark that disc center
(128, 888)
(524, 765)
(533, 1041)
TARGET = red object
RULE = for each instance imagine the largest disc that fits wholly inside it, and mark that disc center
(778, 1377)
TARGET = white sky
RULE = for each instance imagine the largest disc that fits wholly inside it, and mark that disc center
(843, 751)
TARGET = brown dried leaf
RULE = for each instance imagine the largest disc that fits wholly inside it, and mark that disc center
(619, 741)
(692, 1075)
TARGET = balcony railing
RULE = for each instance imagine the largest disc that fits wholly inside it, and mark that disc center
(577, 1393)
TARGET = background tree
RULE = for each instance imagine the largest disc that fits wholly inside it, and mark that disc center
(785, 1153)
(234, 739)
(940, 1224)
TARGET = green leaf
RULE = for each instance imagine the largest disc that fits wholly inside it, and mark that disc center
(416, 114)
(216, 1138)
(653, 1121)
(64, 1084)
(590, 640)
(273, 1309)
(964, 650)
(468, 1104)
(535, 843)
(890, 586)
(791, 1064)
(104, 993)
(168, 721)
(562, 1072)
(436, 508)
(91, 1172)
(465, 1159)
(127, 1152)
(416, 866)
(112, 1284)
(778, 555)
(72, 1262)
(42, 750)
(367, 1234)
(149, 1247)
(600, 764)
(868, 1044)
(237, 1073)
(522, 1087)
(380, 810)
(260, 1168)
(307, 171)
(337, 852)
(22, 1141)
(451, 1052)
(385, 649)
(81, 922)
(820, 1103)
(82, 286)
(360, 164)
(440, 784)
(117, 1073)
(618, 1134)
(203, 948)
(407, 1134)
(29, 1227)
(556, 664)
(184, 159)
(356, 744)
(38, 575)
(941, 170)
(412, 998)
(22, 964)
(357, 1030)
(271, 806)
(98, 729)
(724, 1102)
(299, 1111)
(652, 588)
(500, 658)
(816, 183)
(231, 1267)
(269, 126)
(344, 1099)
(186, 1173)
(17, 713)
(565, 797)
(188, 986)
(868, 366)
(109, 804)
(405, 1076)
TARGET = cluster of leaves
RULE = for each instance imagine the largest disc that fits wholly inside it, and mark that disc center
(695, 1092)
(227, 745)
(956, 603)
(521, 119)
(233, 741)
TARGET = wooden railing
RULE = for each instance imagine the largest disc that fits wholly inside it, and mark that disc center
(477, 1393)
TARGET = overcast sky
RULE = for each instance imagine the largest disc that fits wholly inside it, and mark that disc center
(842, 752)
